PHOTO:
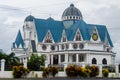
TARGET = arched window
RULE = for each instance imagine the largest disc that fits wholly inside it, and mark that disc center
(104, 61)
(78, 37)
(94, 61)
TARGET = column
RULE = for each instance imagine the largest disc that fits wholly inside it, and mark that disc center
(70, 59)
(77, 58)
(100, 70)
(25, 63)
(59, 59)
(117, 69)
(51, 59)
(48, 58)
(66, 58)
(3, 65)
(87, 59)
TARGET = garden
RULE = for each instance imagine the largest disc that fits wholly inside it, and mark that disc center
(37, 63)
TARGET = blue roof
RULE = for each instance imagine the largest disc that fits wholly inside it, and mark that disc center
(102, 31)
(56, 28)
(29, 18)
(43, 26)
(19, 41)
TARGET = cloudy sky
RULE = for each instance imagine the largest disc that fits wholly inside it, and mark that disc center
(13, 13)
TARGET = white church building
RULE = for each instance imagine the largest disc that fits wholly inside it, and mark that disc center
(65, 42)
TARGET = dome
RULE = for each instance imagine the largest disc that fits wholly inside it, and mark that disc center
(29, 18)
(71, 13)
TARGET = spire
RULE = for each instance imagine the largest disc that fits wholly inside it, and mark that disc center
(19, 40)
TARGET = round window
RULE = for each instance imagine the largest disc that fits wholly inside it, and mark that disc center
(81, 46)
(44, 47)
(75, 46)
(52, 47)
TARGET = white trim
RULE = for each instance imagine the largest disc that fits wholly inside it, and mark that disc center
(64, 35)
(106, 42)
(20, 46)
(95, 31)
(47, 35)
(78, 30)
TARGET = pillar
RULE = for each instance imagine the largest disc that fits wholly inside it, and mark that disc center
(3, 65)
(46, 63)
(77, 58)
(100, 70)
(59, 59)
(65, 66)
(25, 63)
(66, 58)
(70, 59)
(117, 69)
(47, 60)
(51, 59)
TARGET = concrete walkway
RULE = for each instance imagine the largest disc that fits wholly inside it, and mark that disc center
(66, 79)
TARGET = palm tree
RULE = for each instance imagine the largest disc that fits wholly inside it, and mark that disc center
(11, 60)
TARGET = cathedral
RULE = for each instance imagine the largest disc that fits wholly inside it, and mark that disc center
(69, 41)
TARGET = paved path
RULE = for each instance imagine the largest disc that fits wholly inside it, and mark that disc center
(66, 79)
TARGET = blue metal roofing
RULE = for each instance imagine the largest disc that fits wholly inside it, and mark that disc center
(29, 18)
(43, 26)
(56, 28)
(102, 31)
(19, 41)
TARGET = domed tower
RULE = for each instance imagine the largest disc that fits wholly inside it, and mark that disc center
(28, 29)
(29, 18)
(71, 15)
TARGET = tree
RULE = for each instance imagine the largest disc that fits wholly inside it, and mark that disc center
(35, 61)
(42, 59)
(10, 60)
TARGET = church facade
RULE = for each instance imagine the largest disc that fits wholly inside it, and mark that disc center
(69, 41)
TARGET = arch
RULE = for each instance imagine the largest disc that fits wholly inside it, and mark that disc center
(104, 61)
(94, 61)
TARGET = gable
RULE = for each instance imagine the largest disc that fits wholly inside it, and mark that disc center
(19, 43)
(56, 28)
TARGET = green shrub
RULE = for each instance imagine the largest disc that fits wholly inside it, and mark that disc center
(94, 71)
(19, 71)
(45, 72)
(89, 71)
(52, 70)
(83, 72)
(71, 71)
(105, 72)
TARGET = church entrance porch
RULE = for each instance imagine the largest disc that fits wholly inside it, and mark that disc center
(74, 58)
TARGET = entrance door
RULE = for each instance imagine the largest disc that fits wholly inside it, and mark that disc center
(55, 59)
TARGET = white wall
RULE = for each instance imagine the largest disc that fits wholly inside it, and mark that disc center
(100, 57)
(8, 74)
